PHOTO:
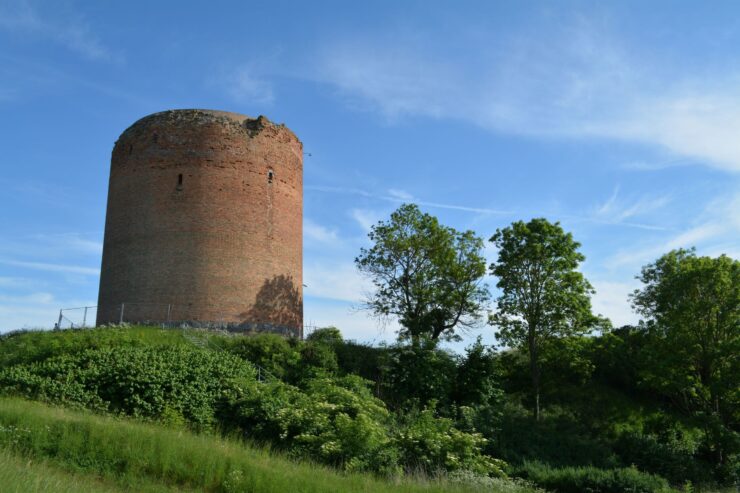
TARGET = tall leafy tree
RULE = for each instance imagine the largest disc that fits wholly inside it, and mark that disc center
(543, 295)
(692, 310)
(427, 275)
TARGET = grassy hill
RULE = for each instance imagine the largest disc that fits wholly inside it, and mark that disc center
(78, 451)
(68, 448)
(150, 409)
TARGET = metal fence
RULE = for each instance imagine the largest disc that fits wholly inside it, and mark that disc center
(172, 315)
(77, 318)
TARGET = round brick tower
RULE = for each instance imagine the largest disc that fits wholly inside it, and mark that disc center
(204, 223)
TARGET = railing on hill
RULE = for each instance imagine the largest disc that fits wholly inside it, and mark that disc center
(167, 315)
(77, 318)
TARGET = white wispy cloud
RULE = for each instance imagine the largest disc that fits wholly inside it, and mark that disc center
(245, 86)
(618, 210)
(484, 211)
(43, 266)
(717, 227)
(335, 280)
(71, 31)
(612, 300)
(400, 199)
(313, 232)
(365, 218)
(578, 80)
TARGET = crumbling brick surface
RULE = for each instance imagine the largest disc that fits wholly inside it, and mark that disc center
(204, 222)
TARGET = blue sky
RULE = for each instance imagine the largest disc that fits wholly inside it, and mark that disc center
(620, 120)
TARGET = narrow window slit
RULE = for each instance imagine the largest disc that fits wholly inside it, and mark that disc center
(179, 181)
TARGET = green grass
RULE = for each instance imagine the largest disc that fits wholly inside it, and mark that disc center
(21, 475)
(141, 457)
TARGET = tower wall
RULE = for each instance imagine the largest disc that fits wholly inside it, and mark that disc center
(204, 223)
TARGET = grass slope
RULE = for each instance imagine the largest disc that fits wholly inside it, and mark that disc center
(142, 457)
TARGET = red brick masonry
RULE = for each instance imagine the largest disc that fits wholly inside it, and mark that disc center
(205, 214)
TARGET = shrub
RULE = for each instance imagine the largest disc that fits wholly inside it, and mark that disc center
(330, 336)
(671, 457)
(170, 383)
(317, 360)
(271, 352)
(414, 375)
(433, 444)
(334, 421)
(592, 479)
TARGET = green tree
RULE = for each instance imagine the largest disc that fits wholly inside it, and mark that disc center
(543, 296)
(692, 307)
(426, 274)
(330, 336)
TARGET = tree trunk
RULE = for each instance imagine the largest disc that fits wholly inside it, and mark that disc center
(534, 366)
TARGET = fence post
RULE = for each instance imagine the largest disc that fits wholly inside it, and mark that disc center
(59, 322)
(120, 320)
(84, 318)
(169, 311)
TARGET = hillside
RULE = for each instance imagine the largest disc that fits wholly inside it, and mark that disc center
(75, 450)
(149, 409)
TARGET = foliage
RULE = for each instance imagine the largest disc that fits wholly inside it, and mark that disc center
(432, 444)
(142, 457)
(414, 375)
(560, 438)
(426, 274)
(592, 479)
(337, 422)
(543, 295)
(692, 306)
(331, 336)
(317, 360)
(271, 352)
(34, 345)
(176, 383)
(693, 309)
(477, 382)
(488, 483)
(361, 359)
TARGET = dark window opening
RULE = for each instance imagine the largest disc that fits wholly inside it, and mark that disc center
(270, 176)
(155, 138)
(130, 148)
(179, 182)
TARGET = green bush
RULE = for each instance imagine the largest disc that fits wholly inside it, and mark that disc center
(34, 345)
(673, 457)
(433, 444)
(274, 353)
(317, 360)
(177, 383)
(414, 375)
(360, 359)
(333, 421)
(592, 479)
(330, 336)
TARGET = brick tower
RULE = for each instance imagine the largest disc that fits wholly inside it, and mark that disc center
(204, 223)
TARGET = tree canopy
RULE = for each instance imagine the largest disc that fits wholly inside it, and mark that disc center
(543, 295)
(692, 310)
(427, 275)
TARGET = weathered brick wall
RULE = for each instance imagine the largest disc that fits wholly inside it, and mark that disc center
(205, 213)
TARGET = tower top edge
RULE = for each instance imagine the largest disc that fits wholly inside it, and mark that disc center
(196, 116)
